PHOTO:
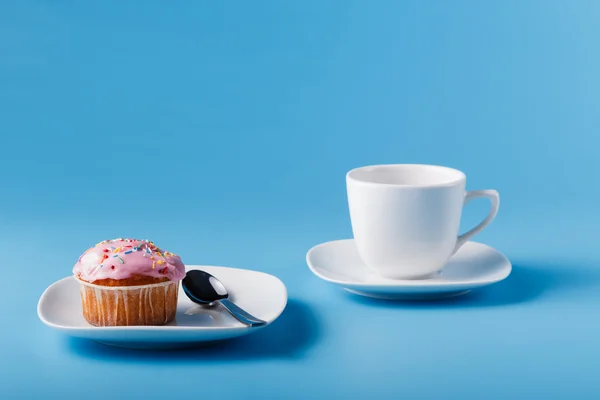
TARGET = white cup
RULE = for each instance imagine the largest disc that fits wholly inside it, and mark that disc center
(405, 217)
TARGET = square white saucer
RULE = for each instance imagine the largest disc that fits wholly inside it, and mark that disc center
(261, 294)
(474, 265)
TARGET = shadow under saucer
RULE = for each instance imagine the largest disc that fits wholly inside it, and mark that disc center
(526, 283)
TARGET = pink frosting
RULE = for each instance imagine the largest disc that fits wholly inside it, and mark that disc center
(123, 258)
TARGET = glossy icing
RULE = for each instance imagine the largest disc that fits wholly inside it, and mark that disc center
(123, 258)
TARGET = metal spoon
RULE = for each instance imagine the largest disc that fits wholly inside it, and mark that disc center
(203, 288)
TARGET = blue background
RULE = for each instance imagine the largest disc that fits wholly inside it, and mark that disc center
(223, 130)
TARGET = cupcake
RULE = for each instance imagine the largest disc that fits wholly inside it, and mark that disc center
(128, 282)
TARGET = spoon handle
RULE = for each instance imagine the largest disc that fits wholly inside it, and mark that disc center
(240, 314)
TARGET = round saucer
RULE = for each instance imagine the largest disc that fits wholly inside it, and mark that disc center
(473, 266)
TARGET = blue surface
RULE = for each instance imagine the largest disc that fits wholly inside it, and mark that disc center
(223, 131)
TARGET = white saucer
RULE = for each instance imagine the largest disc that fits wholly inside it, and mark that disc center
(474, 265)
(262, 295)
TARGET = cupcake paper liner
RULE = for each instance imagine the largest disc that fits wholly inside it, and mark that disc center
(153, 304)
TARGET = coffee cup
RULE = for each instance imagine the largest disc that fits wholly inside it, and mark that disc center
(405, 217)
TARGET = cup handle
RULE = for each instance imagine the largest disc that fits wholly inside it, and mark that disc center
(494, 198)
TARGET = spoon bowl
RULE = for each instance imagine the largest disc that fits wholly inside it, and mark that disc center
(205, 289)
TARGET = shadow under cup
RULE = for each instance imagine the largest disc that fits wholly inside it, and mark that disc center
(405, 217)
